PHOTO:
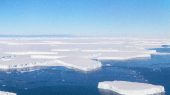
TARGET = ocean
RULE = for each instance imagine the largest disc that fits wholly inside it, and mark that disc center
(64, 81)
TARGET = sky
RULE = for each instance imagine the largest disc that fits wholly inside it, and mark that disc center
(115, 18)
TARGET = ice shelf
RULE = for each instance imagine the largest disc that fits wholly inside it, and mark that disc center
(78, 53)
(7, 93)
(131, 88)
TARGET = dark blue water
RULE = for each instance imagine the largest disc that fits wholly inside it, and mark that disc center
(63, 81)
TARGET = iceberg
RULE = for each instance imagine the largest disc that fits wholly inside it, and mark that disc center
(131, 88)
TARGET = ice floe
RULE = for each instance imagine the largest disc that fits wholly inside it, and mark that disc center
(78, 53)
(79, 63)
(131, 88)
(7, 93)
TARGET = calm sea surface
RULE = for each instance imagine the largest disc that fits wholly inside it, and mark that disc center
(63, 81)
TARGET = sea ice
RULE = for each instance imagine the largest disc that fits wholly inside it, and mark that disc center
(79, 53)
(131, 88)
(79, 63)
(29, 53)
(7, 93)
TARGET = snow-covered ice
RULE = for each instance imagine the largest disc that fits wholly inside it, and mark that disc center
(84, 64)
(7, 93)
(79, 53)
(131, 88)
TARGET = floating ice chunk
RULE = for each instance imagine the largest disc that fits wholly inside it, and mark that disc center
(84, 64)
(79, 63)
(7, 93)
(131, 88)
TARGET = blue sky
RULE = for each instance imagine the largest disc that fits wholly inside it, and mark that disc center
(132, 18)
